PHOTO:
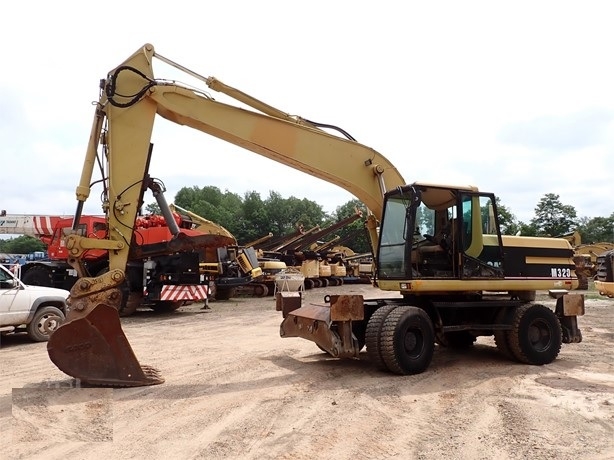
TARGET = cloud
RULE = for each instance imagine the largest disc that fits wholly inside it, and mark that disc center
(560, 133)
(519, 104)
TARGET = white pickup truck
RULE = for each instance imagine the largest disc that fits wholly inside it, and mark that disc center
(37, 310)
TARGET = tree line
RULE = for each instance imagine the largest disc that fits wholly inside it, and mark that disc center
(553, 218)
(250, 217)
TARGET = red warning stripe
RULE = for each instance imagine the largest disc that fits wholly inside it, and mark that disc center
(183, 292)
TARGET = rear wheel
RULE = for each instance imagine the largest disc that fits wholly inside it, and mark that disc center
(45, 321)
(407, 340)
(38, 276)
(536, 335)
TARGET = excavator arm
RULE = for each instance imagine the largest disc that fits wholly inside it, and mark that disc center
(90, 345)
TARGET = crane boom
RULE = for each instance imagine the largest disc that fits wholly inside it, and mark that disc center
(31, 225)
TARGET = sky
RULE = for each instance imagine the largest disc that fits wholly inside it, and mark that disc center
(515, 98)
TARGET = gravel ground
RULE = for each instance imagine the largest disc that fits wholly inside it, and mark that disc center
(235, 389)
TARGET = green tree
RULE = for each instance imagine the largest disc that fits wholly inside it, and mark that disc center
(223, 208)
(507, 221)
(307, 212)
(596, 229)
(553, 217)
(278, 215)
(202, 201)
(153, 208)
(22, 245)
(527, 229)
(254, 221)
(354, 235)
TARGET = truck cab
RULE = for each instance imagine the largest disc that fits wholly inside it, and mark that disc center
(34, 309)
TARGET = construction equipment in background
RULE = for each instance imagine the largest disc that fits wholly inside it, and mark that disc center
(604, 280)
(585, 257)
(232, 266)
(308, 259)
(161, 279)
(300, 251)
(358, 267)
(459, 277)
(202, 224)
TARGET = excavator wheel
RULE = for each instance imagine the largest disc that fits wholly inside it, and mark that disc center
(373, 334)
(536, 335)
(93, 349)
(407, 340)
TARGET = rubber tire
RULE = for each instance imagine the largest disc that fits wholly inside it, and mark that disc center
(131, 305)
(407, 341)
(373, 335)
(536, 335)
(502, 338)
(44, 314)
(38, 276)
(260, 290)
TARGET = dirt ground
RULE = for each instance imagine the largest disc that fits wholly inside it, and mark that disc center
(235, 389)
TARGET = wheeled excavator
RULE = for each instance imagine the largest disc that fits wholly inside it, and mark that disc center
(439, 246)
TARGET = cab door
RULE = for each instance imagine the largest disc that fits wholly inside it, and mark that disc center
(481, 244)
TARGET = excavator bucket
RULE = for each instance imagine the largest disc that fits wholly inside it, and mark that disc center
(94, 350)
(91, 345)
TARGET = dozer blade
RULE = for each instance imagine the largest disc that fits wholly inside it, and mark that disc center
(94, 349)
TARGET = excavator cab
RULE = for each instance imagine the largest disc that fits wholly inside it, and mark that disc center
(435, 232)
